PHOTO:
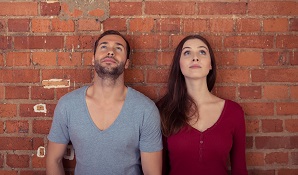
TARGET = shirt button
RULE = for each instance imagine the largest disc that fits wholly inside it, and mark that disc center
(201, 141)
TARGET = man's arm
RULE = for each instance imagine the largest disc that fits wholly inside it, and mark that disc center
(151, 163)
(54, 156)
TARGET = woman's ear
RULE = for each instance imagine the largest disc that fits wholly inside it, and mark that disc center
(93, 60)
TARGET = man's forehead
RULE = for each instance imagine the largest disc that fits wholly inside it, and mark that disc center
(112, 39)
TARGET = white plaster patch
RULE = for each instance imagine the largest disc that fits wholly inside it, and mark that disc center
(40, 108)
(41, 151)
(69, 153)
(56, 83)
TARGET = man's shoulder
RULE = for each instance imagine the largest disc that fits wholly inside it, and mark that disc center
(138, 96)
(75, 94)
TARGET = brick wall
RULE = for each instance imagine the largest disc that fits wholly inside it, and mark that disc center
(46, 51)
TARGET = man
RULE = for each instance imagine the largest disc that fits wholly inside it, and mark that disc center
(113, 128)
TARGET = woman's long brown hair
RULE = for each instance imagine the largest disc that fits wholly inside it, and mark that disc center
(176, 105)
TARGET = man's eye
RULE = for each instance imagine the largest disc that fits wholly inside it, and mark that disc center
(103, 47)
(119, 48)
(202, 52)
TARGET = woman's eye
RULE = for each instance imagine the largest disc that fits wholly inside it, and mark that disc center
(186, 53)
(202, 52)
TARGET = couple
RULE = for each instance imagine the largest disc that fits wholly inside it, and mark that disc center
(117, 130)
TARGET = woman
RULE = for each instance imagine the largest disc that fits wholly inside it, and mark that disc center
(201, 131)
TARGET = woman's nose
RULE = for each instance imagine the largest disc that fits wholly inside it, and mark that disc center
(195, 59)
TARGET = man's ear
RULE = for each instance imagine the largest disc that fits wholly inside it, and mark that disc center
(127, 63)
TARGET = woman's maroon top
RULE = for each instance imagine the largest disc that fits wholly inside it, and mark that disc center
(191, 152)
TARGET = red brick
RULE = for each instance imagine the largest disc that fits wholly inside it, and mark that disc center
(97, 12)
(60, 25)
(18, 25)
(17, 92)
(287, 108)
(49, 9)
(294, 92)
(17, 126)
(276, 25)
(294, 157)
(41, 126)
(291, 125)
(224, 58)
(256, 171)
(215, 41)
(275, 58)
(27, 110)
(17, 143)
(233, 76)
(8, 172)
(225, 92)
(141, 25)
(149, 91)
(87, 58)
(165, 58)
(294, 58)
(248, 25)
(3, 25)
(222, 8)
(5, 42)
(170, 8)
(294, 24)
(39, 42)
(195, 25)
(252, 126)
(18, 8)
(80, 42)
(89, 25)
(69, 59)
(134, 76)
(274, 75)
(149, 42)
(274, 92)
(255, 159)
(249, 42)
(143, 58)
(258, 108)
(275, 142)
(44, 58)
(125, 8)
(15, 59)
(65, 11)
(249, 142)
(75, 75)
(41, 25)
(272, 8)
(171, 25)
(250, 92)
(17, 161)
(157, 76)
(221, 25)
(272, 125)
(8, 110)
(287, 41)
(62, 91)
(38, 162)
(288, 171)
(118, 24)
(1, 161)
(40, 93)
(21, 75)
(33, 172)
(248, 58)
(1, 60)
(277, 158)
(2, 90)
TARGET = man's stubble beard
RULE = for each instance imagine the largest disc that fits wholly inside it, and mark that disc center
(111, 73)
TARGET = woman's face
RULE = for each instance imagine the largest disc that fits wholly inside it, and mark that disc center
(195, 61)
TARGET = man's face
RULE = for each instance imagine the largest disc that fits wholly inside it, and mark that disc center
(110, 57)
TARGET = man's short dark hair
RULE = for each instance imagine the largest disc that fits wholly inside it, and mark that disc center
(112, 32)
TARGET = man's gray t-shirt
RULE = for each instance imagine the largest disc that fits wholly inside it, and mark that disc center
(115, 150)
